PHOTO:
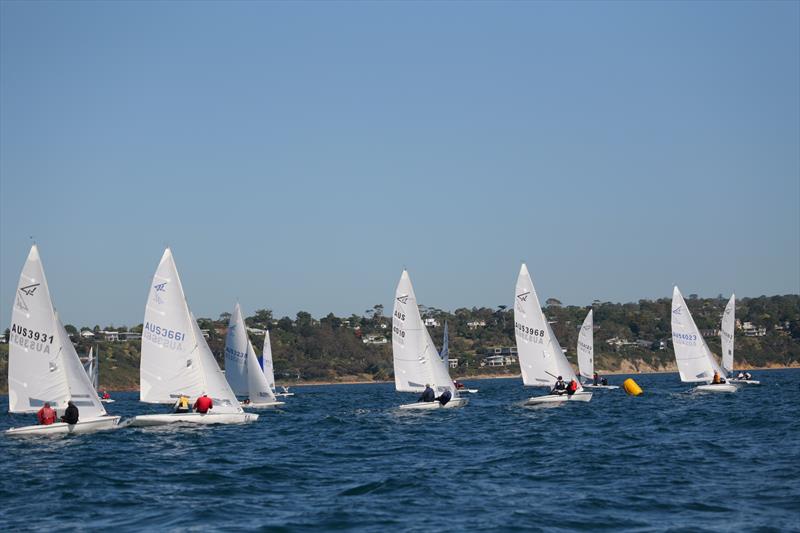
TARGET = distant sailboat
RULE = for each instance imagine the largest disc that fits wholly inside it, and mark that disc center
(268, 367)
(242, 370)
(695, 361)
(43, 365)
(92, 367)
(541, 358)
(726, 340)
(176, 359)
(416, 360)
(586, 354)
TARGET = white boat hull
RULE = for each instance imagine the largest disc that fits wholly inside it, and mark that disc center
(88, 425)
(559, 398)
(192, 418)
(426, 406)
(471, 391)
(265, 405)
(283, 394)
(107, 400)
(721, 387)
(745, 381)
(600, 387)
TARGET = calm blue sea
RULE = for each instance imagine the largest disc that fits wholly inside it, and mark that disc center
(344, 458)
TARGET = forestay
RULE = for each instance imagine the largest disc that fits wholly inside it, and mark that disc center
(42, 361)
(416, 360)
(695, 361)
(541, 358)
(586, 347)
(176, 359)
(726, 334)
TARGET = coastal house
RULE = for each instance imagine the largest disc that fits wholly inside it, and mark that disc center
(452, 362)
(753, 331)
(431, 323)
(475, 324)
(374, 339)
(87, 334)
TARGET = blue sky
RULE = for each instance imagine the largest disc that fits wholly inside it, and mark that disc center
(297, 156)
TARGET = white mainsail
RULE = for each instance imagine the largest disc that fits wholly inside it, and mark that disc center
(695, 361)
(236, 342)
(416, 360)
(586, 347)
(541, 358)
(242, 370)
(266, 362)
(43, 365)
(175, 358)
(726, 334)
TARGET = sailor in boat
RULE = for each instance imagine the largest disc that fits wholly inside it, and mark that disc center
(458, 384)
(740, 375)
(596, 379)
(572, 388)
(71, 413)
(717, 380)
(203, 404)
(182, 405)
(748, 376)
(427, 395)
(560, 387)
(604, 382)
(444, 398)
(106, 395)
(46, 415)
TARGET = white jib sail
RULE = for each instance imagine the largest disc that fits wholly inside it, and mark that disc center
(258, 388)
(81, 390)
(416, 360)
(695, 361)
(40, 368)
(541, 358)
(586, 347)
(266, 361)
(236, 353)
(176, 359)
(726, 334)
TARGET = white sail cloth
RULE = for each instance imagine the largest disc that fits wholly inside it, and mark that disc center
(726, 334)
(586, 347)
(541, 358)
(416, 361)
(176, 359)
(266, 362)
(695, 361)
(43, 365)
(242, 370)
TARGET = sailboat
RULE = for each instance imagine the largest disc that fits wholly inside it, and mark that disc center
(695, 361)
(176, 359)
(444, 355)
(242, 370)
(92, 367)
(416, 361)
(267, 366)
(726, 340)
(586, 354)
(43, 365)
(541, 358)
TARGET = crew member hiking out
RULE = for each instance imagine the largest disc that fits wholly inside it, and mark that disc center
(70, 414)
(203, 404)
(444, 397)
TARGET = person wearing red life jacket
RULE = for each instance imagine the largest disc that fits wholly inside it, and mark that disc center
(203, 404)
(46, 415)
(106, 395)
(572, 388)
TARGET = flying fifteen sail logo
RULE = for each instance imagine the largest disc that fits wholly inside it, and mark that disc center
(159, 287)
(524, 296)
(28, 290)
(677, 310)
(403, 299)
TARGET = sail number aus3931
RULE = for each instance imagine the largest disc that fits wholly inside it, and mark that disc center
(31, 334)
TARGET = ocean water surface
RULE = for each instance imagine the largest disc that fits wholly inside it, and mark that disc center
(343, 457)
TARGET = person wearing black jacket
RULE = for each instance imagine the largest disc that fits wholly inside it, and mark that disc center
(445, 397)
(428, 395)
(560, 387)
(71, 414)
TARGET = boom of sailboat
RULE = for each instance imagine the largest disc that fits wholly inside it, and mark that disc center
(176, 362)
